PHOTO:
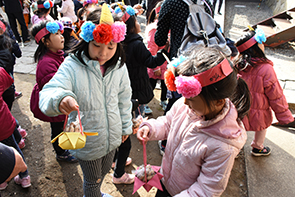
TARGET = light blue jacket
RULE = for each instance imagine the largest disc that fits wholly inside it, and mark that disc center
(104, 101)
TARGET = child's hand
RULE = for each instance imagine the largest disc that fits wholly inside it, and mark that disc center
(167, 46)
(67, 105)
(124, 138)
(142, 134)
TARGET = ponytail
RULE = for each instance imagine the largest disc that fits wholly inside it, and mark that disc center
(241, 98)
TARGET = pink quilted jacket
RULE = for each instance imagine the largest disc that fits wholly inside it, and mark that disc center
(267, 95)
(154, 48)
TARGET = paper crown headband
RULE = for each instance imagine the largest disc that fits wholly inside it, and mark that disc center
(129, 12)
(51, 27)
(191, 86)
(47, 4)
(106, 31)
(259, 37)
(2, 26)
(157, 10)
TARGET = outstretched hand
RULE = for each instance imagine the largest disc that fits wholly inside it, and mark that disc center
(142, 134)
(67, 105)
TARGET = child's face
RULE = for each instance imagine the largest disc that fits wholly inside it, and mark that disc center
(199, 106)
(137, 27)
(55, 42)
(102, 52)
(261, 46)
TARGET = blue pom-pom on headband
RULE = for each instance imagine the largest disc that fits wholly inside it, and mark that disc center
(176, 61)
(260, 36)
(130, 11)
(47, 4)
(86, 31)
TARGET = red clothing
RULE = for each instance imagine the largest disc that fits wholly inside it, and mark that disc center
(46, 68)
(267, 95)
(7, 121)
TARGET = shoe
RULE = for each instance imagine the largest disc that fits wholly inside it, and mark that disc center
(219, 13)
(147, 110)
(66, 156)
(164, 104)
(261, 152)
(17, 95)
(128, 162)
(22, 132)
(125, 179)
(22, 144)
(105, 195)
(24, 182)
(3, 186)
(162, 148)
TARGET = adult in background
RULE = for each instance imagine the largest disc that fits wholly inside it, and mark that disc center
(68, 10)
(14, 12)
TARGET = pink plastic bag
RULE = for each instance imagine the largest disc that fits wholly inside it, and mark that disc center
(153, 182)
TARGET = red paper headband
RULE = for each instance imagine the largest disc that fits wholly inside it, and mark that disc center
(247, 45)
(43, 32)
(2, 26)
(125, 17)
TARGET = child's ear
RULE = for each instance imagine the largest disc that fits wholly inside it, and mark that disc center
(220, 102)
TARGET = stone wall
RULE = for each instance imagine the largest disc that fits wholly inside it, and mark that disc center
(278, 6)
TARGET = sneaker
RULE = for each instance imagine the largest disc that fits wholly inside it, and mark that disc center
(17, 95)
(22, 144)
(162, 148)
(22, 132)
(24, 182)
(66, 156)
(128, 162)
(164, 104)
(147, 110)
(125, 179)
(3, 186)
(261, 152)
(105, 195)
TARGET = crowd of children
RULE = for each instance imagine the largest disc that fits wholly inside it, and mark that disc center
(92, 60)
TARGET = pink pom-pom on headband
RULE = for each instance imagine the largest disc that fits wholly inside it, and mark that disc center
(188, 86)
(118, 31)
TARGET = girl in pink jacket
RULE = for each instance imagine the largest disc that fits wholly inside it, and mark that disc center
(266, 92)
(158, 72)
(203, 129)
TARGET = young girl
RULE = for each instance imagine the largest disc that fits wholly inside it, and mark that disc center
(158, 72)
(138, 58)
(42, 13)
(203, 129)
(8, 128)
(49, 55)
(94, 79)
(68, 10)
(266, 92)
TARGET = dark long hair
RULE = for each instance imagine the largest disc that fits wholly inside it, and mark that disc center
(253, 53)
(82, 46)
(41, 49)
(202, 59)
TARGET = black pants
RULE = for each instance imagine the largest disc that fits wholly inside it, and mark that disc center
(56, 129)
(219, 6)
(12, 17)
(163, 193)
(121, 156)
(153, 83)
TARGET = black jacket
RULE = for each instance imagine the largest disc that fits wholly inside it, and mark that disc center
(138, 58)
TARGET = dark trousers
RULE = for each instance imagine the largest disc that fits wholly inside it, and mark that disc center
(12, 17)
(121, 156)
(56, 129)
(153, 83)
(219, 6)
(163, 193)
(10, 141)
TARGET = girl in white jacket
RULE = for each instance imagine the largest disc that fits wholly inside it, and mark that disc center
(68, 10)
(203, 129)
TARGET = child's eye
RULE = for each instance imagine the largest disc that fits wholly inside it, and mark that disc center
(111, 48)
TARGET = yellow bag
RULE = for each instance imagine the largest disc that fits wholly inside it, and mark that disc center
(73, 140)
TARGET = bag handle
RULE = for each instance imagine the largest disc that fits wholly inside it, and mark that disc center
(144, 160)
(80, 123)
